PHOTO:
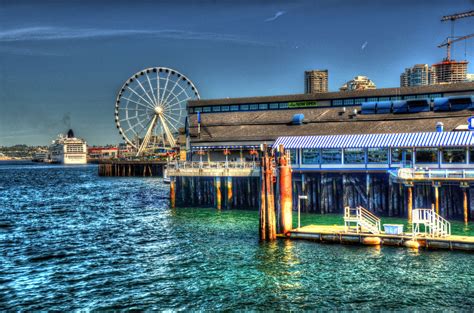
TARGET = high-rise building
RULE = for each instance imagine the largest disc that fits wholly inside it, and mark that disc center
(316, 81)
(451, 71)
(470, 77)
(418, 75)
(358, 83)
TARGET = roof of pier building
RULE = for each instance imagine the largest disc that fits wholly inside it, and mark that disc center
(267, 125)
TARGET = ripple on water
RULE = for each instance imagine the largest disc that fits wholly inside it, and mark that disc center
(71, 240)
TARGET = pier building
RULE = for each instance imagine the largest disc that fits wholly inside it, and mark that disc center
(349, 148)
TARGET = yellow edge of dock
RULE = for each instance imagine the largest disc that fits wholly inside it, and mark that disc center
(337, 234)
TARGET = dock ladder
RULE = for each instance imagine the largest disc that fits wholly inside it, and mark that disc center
(362, 218)
(434, 224)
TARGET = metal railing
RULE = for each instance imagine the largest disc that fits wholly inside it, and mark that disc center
(434, 224)
(406, 173)
(212, 165)
(363, 218)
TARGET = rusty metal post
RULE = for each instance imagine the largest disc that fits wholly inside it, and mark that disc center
(286, 194)
(436, 192)
(217, 183)
(229, 192)
(410, 203)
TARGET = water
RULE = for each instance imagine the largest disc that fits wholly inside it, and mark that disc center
(70, 240)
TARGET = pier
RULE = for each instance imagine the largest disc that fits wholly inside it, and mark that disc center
(143, 168)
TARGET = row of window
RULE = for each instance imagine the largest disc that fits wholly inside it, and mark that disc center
(381, 156)
(300, 104)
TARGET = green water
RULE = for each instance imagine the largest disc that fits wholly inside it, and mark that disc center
(457, 227)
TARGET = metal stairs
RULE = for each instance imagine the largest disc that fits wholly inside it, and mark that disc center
(434, 224)
(362, 220)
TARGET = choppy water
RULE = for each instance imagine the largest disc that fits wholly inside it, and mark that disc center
(71, 240)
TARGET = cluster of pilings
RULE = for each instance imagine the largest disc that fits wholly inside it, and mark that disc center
(218, 192)
(130, 168)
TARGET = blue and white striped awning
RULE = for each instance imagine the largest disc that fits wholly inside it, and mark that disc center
(431, 139)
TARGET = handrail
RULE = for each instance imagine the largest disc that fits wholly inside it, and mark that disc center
(212, 165)
(362, 217)
(435, 224)
(417, 173)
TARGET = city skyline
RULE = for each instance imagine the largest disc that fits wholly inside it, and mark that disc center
(63, 63)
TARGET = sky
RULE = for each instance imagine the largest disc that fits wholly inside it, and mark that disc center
(63, 62)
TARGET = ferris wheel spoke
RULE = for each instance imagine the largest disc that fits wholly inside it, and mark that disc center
(166, 86)
(132, 117)
(146, 93)
(172, 90)
(158, 87)
(139, 103)
(149, 104)
(176, 97)
(176, 100)
(151, 88)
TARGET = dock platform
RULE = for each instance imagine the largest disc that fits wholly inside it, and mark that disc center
(143, 168)
(337, 234)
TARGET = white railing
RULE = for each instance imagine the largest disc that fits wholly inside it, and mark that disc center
(434, 224)
(212, 165)
(408, 173)
(363, 219)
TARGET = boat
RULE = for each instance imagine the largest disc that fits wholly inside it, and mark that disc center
(68, 149)
(40, 156)
(166, 178)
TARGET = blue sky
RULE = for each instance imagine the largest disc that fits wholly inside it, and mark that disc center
(62, 62)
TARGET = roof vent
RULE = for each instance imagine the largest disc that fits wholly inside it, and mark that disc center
(439, 127)
(297, 119)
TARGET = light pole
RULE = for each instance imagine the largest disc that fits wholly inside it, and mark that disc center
(299, 208)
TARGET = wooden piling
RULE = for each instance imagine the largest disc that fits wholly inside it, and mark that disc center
(229, 192)
(172, 194)
(217, 183)
(436, 194)
(410, 203)
(286, 193)
(263, 203)
(465, 204)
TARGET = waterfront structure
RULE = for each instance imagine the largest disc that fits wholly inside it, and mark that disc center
(68, 149)
(316, 81)
(365, 174)
(41, 156)
(417, 75)
(99, 153)
(358, 83)
(449, 71)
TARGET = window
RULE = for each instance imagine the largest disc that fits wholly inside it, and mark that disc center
(225, 108)
(216, 108)
(384, 98)
(359, 101)
(273, 106)
(234, 107)
(244, 107)
(283, 105)
(253, 107)
(373, 99)
(348, 101)
(426, 155)
(454, 155)
(471, 155)
(422, 96)
(435, 95)
(402, 155)
(191, 110)
(396, 98)
(293, 156)
(331, 156)
(263, 106)
(197, 110)
(311, 156)
(206, 109)
(377, 155)
(409, 97)
(337, 102)
(354, 156)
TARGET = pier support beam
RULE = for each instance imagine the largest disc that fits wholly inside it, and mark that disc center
(436, 186)
(286, 193)
(217, 183)
(410, 202)
(465, 188)
(229, 192)
(267, 203)
(172, 193)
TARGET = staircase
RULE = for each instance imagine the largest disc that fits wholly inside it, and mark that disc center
(362, 218)
(434, 224)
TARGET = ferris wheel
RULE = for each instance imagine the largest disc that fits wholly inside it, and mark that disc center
(151, 107)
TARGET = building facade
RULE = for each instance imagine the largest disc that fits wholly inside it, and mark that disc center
(418, 75)
(315, 81)
(358, 83)
(448, 72)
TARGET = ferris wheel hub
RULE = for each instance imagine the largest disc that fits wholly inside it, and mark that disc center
(159, 109)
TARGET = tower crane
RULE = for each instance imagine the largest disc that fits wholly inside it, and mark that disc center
(449, 42)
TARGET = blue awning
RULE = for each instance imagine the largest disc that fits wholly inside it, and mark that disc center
(428, 139)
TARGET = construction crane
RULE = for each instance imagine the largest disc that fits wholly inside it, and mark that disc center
(452, 38)
(449, 42)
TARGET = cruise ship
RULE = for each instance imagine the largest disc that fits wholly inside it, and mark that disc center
(68, 149)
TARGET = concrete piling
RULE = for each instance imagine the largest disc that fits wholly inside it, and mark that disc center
(286, 193)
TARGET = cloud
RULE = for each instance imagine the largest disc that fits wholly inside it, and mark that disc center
(62, 33)
(28, 52)
(364, 45)
(277, 15)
